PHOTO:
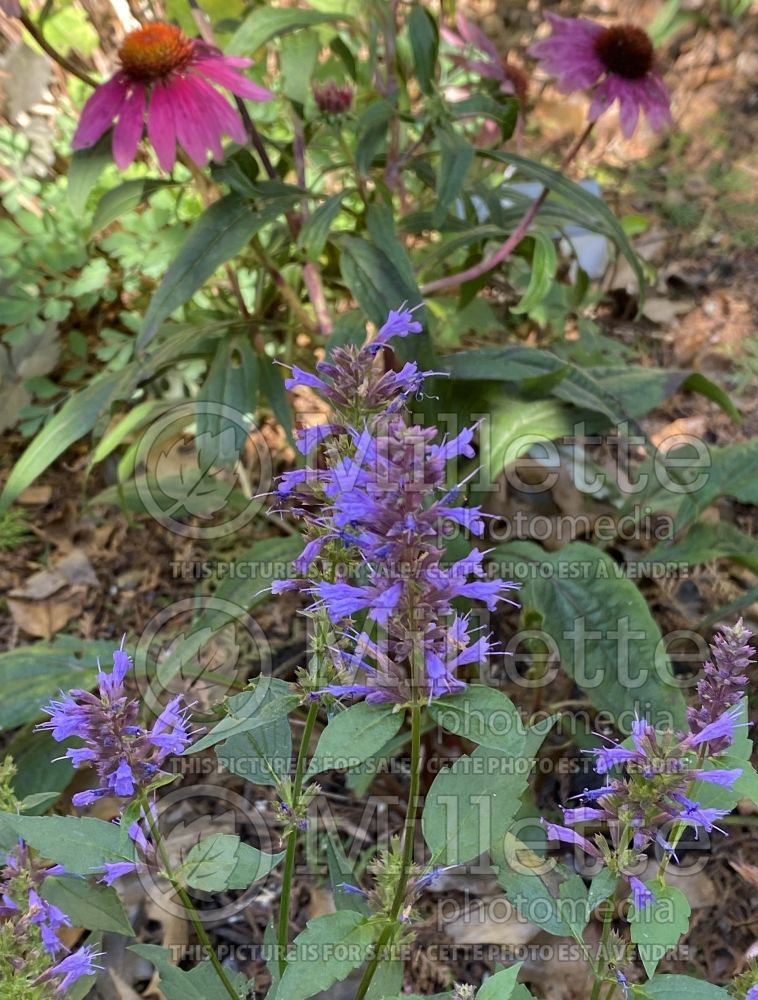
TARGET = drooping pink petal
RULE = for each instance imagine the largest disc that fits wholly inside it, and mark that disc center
(569, 53)
(190, 128)
(226, 117)
(215, 68)
(130, 126)
(656, 102)
(629, 111)
(474, 35)
(161, 128)
(100, 111)
(202, 96)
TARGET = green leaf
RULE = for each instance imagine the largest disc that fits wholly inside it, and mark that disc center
(76, 417)
(96, 907)
(84, 169)
(471, 804)
(372, 133)
(326, 952)
(484, 716)
(659, 925)
(354, 735)
(515, 425)
(249, 712)
(706, 541)
(425, 43)
(341, 872)
(540, 889)
(130, 421)
(297, 60)
(599, 625)
(456, 156)
(31, 675)
(501, 985)
(264, 754)
(602, 887)
(220, 233)
(684, 988)
(318, 226)
(640, 389)
(592, 212)
(272, 387)
(80, 844)
(200, 983)
(733, 472)
(375, 281)
(269, 22)
(120, 200)
(521, 365)
(232, 382)
(222, 862)
(505, 112)
(544, 266)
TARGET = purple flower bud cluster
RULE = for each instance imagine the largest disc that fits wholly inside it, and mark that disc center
(23, 906)
(723, 682)
(375, 504)
(126, 756)
(661, 767)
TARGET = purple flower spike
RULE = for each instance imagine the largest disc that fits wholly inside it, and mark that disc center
(123, 754)
(641, 895)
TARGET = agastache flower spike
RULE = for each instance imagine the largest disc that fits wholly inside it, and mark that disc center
(377, 502)
(125, 756)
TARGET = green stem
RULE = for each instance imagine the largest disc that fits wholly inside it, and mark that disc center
(409, 835)
(289, 860)
(183, 895)
(599, 969)
(280, 281)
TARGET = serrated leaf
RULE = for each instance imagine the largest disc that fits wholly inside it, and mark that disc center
(81, 844)
(96, 907)
(484, 716)
(659, 925)
(326, 952)
(200, 983)
(354, 735)
(249, 712)
(222, 862)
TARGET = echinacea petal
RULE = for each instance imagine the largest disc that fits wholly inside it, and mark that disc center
(129, 127)
(219, 111)
(100, 111)
(216, 68)
(161, 127)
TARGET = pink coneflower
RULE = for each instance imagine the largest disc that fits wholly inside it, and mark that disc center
(617, 61)
(510, 79)
(164, 82)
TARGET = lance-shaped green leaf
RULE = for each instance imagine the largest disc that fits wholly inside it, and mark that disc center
(542, 274)
(318, 226)
(501, 985)
(221, 232)
(120, 200)
(425, 43)
(270, 22)
(456, 156)
(683, 988)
